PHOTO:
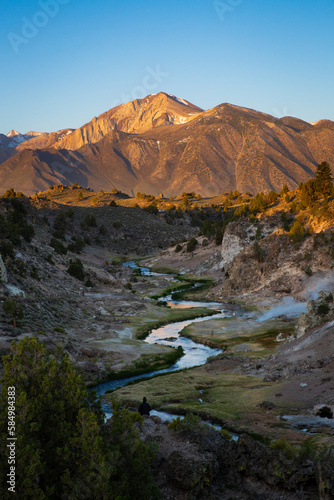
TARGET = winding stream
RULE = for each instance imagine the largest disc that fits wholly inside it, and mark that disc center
(195, 354)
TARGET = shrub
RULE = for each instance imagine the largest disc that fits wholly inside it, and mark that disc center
(151, 209)
(323, 309)
(207, 229)
(59, 226)
(70, 213)
(28, 232)
(76, 269)
(226, 434)
(271, 197)
(117, 224)
(258, 233)
(20, 267)
(58, 246)
(293, 208)
(34, 273)
(288, 449)
(191, 245)
(190, 425)
(297, 232)
(90, 220)
(308, 271)
(285, 221)
(49, 259)
(59, 329)
(241, 210)
(178, 248)
(258, 254)
(14, 309)
(6, 249)
(319, 240)
(78, 245)
(219, 236)
(257, 204)
(309, 193)
(252, 219)
(185, 201)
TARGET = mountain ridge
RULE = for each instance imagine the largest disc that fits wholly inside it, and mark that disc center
(162, 143)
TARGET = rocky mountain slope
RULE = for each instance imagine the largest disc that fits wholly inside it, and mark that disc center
(95, 324)
(82, 311)
(165, 144)
(134, 117)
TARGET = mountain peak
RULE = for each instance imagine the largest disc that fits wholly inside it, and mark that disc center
(134, 117)
(175, 98)
(163, 143)
(13, 133)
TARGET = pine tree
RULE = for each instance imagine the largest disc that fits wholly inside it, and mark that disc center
(13, 309)
(324, 178)
(51, 446)
(131, 475)
(309, 193)
(63, 448)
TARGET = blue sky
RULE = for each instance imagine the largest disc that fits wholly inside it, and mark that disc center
(65, 61)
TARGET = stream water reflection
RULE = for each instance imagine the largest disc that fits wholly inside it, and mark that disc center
(194, 354)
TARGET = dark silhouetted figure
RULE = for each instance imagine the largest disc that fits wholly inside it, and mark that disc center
(144, 407)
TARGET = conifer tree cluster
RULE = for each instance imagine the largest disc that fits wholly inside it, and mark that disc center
(63, 447)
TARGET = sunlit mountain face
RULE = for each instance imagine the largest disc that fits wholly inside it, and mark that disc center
(165, 144)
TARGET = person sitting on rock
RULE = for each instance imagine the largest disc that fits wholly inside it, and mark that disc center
(144, 407)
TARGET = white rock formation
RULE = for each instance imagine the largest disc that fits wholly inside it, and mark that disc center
(236, 239)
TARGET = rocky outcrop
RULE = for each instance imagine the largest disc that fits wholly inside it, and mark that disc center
(235, 240)
(317, 313)
(191, 473)
(240, 236)
(208, 465)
